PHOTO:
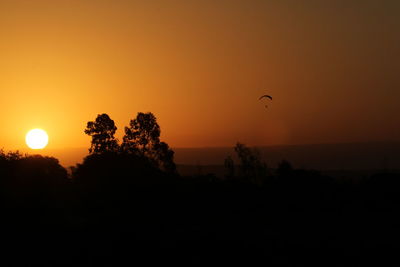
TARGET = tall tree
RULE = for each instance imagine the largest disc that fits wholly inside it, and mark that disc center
(142, 134)
(142, 137)
(102, 131)
(164, 157)
(251, 165)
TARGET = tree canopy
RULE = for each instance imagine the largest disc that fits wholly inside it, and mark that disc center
(142, 137)
(102, 131)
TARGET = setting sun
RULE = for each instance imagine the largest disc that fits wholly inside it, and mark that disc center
(37, 139)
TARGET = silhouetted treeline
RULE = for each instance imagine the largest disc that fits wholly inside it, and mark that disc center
(121, 207)
(141, 139)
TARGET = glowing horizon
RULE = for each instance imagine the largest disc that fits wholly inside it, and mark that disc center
(200, 67)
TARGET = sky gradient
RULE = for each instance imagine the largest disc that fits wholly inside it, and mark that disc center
(332, 68)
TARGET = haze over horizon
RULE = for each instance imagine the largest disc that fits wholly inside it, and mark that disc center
(200, 66)
(372, 156)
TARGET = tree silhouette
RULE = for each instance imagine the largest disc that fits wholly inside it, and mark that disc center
(142, 137)
(284, 168)
(164, 157)
(229, 165)
(142, 134)
(251, 165)
(102, 131)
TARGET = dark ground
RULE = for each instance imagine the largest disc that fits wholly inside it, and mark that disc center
(108, 215)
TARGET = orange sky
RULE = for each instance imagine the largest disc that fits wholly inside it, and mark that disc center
(200, 66)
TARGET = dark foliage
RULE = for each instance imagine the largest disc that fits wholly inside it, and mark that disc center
(102, 131)
(142, 134)
(142, 138)
(229, 165)
(113, 177)
(251, 167)
(119, 209)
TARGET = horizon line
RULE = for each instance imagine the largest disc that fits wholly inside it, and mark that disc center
(213, 147)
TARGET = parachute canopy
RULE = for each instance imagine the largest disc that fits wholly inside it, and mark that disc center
(268, 96)
(265, 96)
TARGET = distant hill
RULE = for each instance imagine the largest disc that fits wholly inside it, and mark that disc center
(346, 156)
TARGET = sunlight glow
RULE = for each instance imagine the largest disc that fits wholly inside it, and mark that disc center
(37, 139)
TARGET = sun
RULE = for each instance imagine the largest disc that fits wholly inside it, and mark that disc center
(37, 139)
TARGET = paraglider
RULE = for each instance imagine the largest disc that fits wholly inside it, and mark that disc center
(266, 96)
